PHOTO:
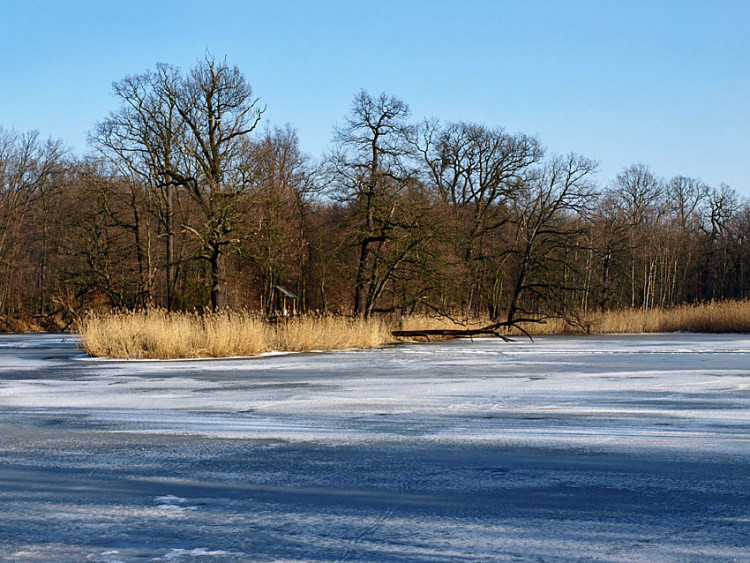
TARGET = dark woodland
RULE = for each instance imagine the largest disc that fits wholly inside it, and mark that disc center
(188, 200)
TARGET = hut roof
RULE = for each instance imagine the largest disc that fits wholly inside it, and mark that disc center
(286, 292)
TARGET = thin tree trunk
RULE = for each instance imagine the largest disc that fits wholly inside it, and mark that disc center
(169, 219)
(605, 281)
(218, 280)
(361, 287)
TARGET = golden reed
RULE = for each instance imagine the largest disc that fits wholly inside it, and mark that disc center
(157, 334)
(715, 316)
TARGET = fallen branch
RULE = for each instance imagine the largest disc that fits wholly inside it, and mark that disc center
(452, 333)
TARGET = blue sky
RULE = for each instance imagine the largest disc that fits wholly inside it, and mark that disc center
(665, 83)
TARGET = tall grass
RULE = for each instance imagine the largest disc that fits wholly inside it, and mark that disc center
(330, 333)
(158, 334)
(715, 316)
(435, 322)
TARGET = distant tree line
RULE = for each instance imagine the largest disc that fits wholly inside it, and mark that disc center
(187, 201)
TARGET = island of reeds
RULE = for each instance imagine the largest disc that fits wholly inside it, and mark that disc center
(157, 334)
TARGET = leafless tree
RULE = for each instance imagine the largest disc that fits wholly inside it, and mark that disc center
(278, 211)
(562, 188)
(371, 172)
(140, 139)
(188, 131)
(476, 171)
(27, 171)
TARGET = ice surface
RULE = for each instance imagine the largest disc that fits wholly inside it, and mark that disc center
(617, 448)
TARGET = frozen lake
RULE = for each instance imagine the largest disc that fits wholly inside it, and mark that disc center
(614, 448)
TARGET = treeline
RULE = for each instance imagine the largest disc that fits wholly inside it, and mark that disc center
(188, 202)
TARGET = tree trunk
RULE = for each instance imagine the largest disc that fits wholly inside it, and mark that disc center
(360, 291)
(218, 280)
(361, 288)
(143, 296)
(605, 282)
(168, 219)
(519, 287)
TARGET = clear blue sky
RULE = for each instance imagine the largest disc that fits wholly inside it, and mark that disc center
(666, 83)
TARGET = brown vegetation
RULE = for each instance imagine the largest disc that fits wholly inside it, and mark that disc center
(717, 316)
(186, 205)
(726, 316)
(24, 323)
(159, 334)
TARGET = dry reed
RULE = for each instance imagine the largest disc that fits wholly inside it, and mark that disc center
(715, 316)
(435, 322)
(158, 334)
(330, 333)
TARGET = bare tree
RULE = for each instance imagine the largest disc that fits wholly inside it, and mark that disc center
(543, 217)
(125, 202)
(370, 169)
(640, 192)
(189, 131)
(685, 197)
(140, 139)
(278, 211)
(641, 196)
(610, 240)
(719, 211)
(27, 170)
(476, 171)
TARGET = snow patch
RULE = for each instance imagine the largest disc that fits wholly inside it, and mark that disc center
(174, 503)
(197, 552)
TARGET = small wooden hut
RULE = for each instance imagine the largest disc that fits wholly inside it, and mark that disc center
(285, 302)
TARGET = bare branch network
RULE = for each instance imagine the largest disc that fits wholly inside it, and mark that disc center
(189, 201)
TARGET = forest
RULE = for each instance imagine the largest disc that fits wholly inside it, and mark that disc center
(188, 201)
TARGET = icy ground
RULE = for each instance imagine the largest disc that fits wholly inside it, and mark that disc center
(617, 448)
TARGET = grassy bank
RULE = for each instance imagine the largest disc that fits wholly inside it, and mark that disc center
(723, 316)
(25, 323)
(720, 316)
(157, 334)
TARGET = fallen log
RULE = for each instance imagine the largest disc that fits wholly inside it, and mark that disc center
(450, 332)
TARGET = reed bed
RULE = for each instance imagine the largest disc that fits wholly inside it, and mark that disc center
(330, 333)
(436, 322)
(714, 316)
(157, 334)
(717, 316)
